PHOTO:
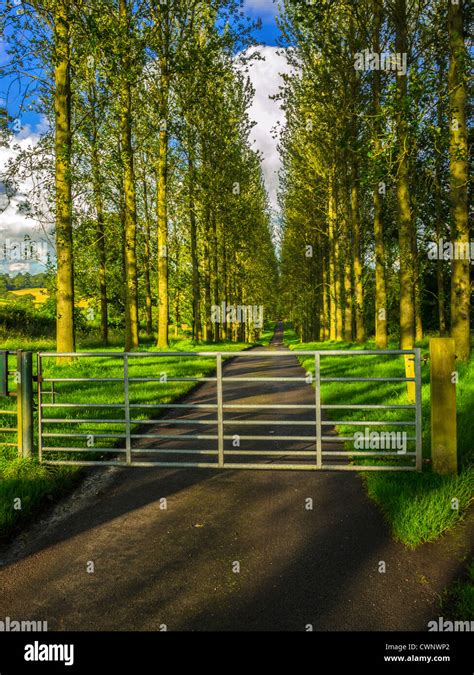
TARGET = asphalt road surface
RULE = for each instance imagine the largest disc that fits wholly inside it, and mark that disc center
(233, 549)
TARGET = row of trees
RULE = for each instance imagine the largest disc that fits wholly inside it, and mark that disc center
(21, 281)
(160, 211)
(376, 170)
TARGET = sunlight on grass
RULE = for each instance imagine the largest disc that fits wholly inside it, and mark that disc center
(417, 506)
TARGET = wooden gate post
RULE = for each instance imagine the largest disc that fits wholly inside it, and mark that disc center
(443, 406)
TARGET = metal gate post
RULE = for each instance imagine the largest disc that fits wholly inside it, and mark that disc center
(25, 403)
(220, 412)
(319, 445)
(128, 439)
(419, 411)
(39, 371)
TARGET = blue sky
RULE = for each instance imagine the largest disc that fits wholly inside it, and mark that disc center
(267, 11)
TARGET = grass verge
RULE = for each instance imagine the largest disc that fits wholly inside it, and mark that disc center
(419, 507)
(459, 600)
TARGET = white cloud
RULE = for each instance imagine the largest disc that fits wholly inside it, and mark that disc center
(266, 77)
(14, 224)
(11, 220)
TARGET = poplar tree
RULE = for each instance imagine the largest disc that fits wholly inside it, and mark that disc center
(458, 155)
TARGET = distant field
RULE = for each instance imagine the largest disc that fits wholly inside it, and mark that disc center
(40, 295)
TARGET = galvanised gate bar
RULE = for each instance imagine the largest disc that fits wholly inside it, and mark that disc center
(121, 433)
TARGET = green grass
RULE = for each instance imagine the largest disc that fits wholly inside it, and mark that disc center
(418, 506)
(461, 596)
(37, 484)
(34, 484)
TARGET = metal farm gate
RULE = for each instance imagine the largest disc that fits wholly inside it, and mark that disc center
(130, 418)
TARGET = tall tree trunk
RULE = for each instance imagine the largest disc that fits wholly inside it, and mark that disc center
(122, 224)
(418, 289)
(130, 210)
(358, 284)
(440, 225)
(162, 207)
(194, 252)
(104, 320)
(407, 313)
(208, 336)
(163, 27)
(100, 228)
(458, 152)
(338, 271)
(332, 260)
(439, 218)
(224, 327)
(339, 296)
(352, 164)
(215, 272)
(146, 262)
(347, 270)
(440, 231)
(325, 303)
(405, 225)
(177, 312)
(240, 301)
(381, 318)
(65, 335)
